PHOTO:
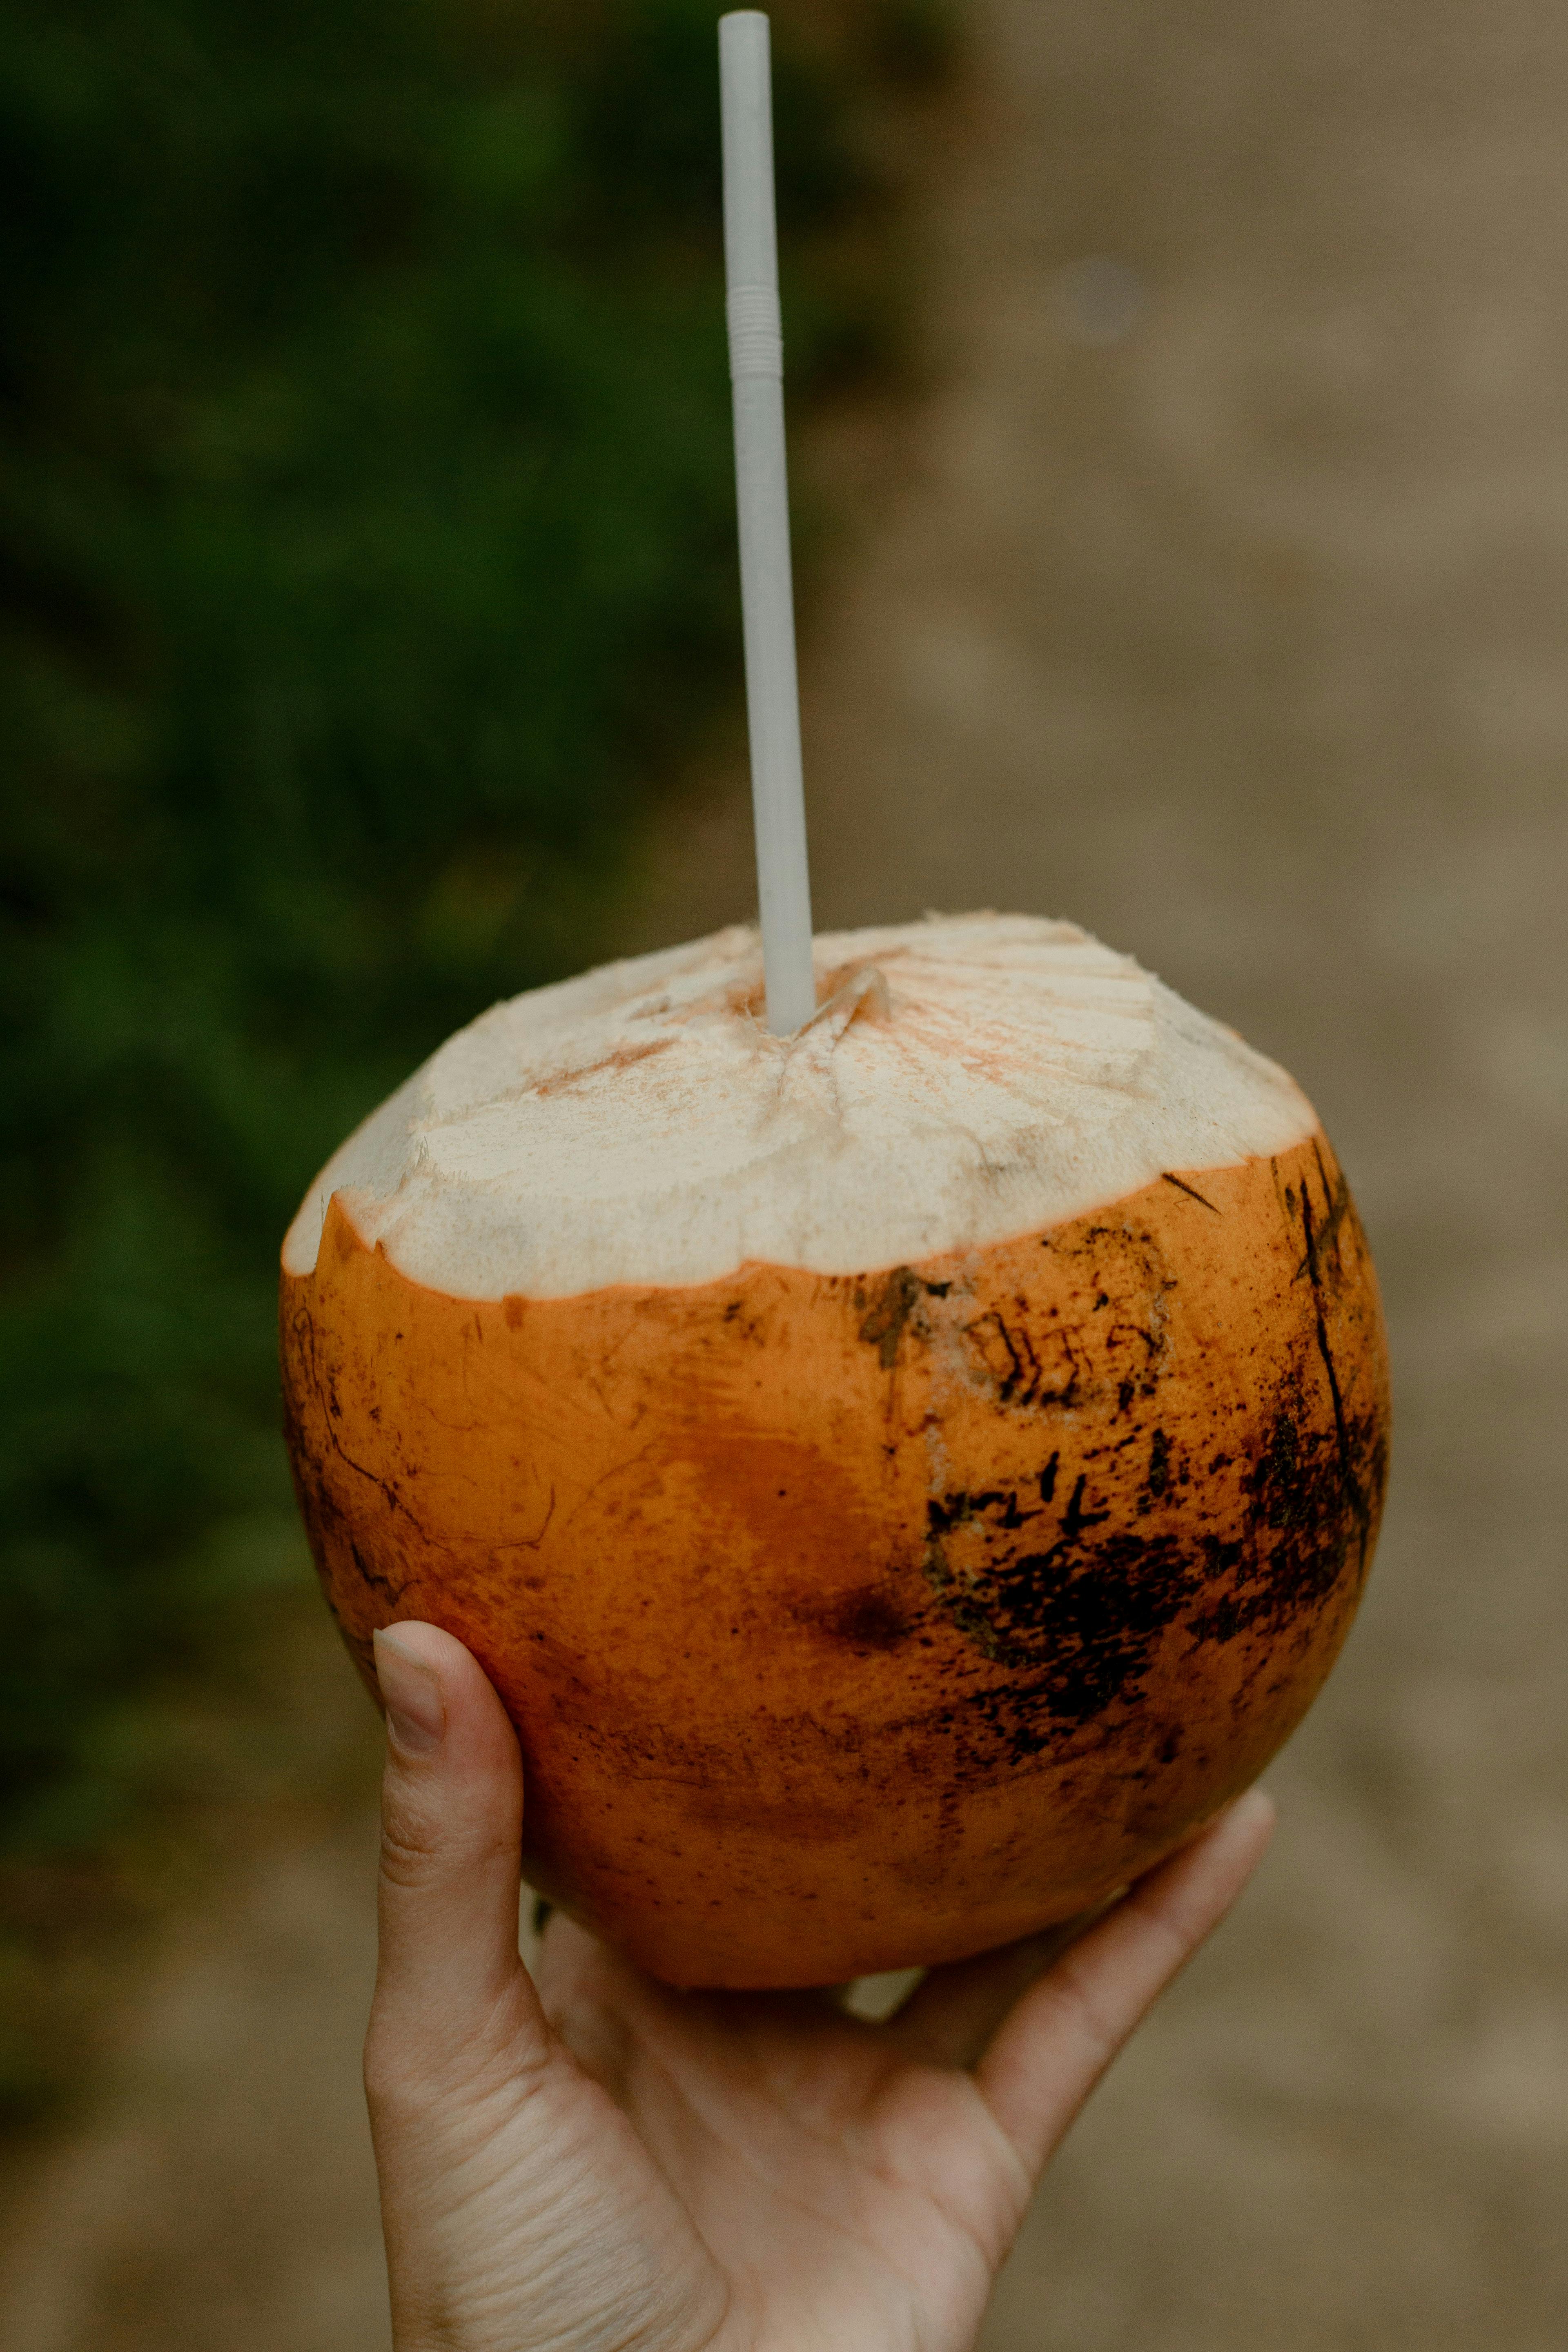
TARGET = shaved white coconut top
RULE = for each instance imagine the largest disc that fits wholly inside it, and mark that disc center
(967, 1079)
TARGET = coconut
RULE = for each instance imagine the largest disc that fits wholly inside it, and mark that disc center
(900, 1479)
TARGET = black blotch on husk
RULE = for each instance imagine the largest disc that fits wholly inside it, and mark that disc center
(1077, 1600)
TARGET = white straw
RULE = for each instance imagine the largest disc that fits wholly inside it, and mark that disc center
(767, 600)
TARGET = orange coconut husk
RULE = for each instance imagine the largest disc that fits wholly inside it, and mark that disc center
(853, 1621)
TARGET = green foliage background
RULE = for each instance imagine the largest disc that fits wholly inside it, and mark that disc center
(367, 558)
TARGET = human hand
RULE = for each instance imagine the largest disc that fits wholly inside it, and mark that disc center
(586, 2161)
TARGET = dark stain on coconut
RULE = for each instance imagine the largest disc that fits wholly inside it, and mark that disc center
(1318, 1244)
(1192, 1195)
(304, 1333)
(1087, 1608)
(872, 1617)
(1005, 1356)
(1306, 1525)
(883, 1326)
(1076, 1603)
(1337, 1207)
(388, 1586)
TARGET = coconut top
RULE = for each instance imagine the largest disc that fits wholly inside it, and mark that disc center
(965, 1079)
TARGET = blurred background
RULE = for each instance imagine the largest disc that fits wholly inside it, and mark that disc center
(1180, 462)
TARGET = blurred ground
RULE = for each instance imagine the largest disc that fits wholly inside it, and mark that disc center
(1219, 601)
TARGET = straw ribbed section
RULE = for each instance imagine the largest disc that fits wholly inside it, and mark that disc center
(756, 331)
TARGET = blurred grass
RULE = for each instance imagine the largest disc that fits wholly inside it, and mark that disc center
(367, 565)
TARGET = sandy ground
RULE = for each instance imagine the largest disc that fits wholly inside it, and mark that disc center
(1220, 601)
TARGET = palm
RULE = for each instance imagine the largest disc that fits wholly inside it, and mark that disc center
(847, 2184)
(583, 2159)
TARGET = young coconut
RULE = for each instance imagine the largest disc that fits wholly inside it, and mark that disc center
(900, 1479)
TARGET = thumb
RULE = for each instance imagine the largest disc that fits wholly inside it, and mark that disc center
(449, 1971)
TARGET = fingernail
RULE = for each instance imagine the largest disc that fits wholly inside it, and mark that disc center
(1248, 1815)
(415, 1715)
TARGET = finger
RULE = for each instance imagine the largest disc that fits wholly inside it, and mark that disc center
(450, 1863)
(1062, 2035)
(950, 2017)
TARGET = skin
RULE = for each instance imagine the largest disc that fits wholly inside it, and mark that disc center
(851, 1623)
(583, 2160)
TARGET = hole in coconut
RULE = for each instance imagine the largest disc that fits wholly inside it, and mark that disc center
(845, 995)
(864, 992)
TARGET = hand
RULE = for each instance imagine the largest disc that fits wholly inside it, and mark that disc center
(599, 2164)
